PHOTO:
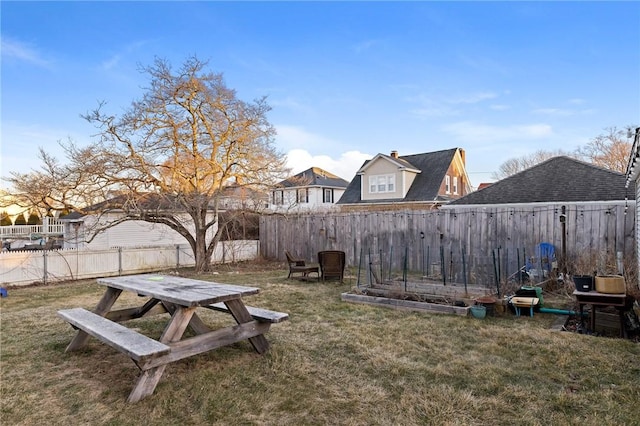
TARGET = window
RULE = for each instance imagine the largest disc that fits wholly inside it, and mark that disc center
(382, 183)
(447, 184)
(328, 196)
(278, 197)
(302, 195)
(455, 185)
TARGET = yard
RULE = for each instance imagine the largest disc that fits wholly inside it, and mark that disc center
(331, 363)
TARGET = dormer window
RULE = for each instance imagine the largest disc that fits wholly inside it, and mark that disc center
(382, 183)
(455, 185)
(447, 184)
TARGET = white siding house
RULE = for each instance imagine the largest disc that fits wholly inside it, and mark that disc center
(104, 226)
(314, 189)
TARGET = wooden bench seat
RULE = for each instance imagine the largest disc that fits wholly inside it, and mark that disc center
(258, 314)
(137, 346)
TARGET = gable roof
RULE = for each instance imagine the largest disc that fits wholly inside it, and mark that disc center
(315, 176)
(559, 179)
(399, 162)
(433, 167)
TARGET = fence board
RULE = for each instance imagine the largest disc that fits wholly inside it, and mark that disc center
(603, 228)
(27, 267)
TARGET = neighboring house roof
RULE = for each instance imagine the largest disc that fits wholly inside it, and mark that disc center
(153, 201)
(559, 179)
(633, 167)
(433, 167)
(400, 162)
(315, 176)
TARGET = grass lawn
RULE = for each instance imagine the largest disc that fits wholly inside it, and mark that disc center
(331, 363)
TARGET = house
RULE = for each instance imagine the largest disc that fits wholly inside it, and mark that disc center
(103, 225)
(413, 181)
(558, 180)
(633, 178)
(314, 189)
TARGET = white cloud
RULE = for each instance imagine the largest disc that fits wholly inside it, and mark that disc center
(562, 112)
(290, 137)
(364, 45)
(554, 111)
(23, 52)
(345, 166)
(300, 144)
(469, 132)
(577, 101)
(472, 98)
(292, 104)
(442, 106)
(125, 52)
(500, 107)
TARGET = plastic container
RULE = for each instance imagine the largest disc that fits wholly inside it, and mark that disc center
(613, 284)
(488, 302)
(527, 291)
(478, 311)
(583, 282)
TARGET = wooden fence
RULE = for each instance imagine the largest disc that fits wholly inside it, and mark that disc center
(42, 266)
(479, 245)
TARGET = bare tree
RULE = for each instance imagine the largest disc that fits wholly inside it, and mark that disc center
(609, 150)
(61, 187)
(516, 165)
(171, 157)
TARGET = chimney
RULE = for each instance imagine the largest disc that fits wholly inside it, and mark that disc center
(394, 154)
(462, 154)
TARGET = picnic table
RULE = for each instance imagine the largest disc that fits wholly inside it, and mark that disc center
(179, 297)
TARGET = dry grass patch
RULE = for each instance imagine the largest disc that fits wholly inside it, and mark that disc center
(331, 363)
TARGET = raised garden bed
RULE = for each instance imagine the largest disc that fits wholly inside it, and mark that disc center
(422, 296)
(410, 305)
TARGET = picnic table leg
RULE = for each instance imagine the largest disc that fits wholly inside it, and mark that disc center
(242, 315)
(196, 324)
(149, 379)
(103, 307)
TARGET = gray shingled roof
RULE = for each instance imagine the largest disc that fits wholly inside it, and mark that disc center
(425, 187)
(315, 176)
(559, 179)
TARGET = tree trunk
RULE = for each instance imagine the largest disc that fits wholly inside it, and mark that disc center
(203, 259)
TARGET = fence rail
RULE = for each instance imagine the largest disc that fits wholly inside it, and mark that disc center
(480, 244)
(27, 267)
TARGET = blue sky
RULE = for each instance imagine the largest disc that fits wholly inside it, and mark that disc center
(346, 80)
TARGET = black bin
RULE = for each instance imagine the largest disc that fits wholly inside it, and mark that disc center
(583, 282)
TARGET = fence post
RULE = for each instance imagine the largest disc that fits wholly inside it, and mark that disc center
(119, 260)
(44, 266)
(177, 256)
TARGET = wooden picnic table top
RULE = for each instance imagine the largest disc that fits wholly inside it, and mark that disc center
(181, 291)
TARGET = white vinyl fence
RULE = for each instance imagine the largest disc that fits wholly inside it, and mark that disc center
(43, 266)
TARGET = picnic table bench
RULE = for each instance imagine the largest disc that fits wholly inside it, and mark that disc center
(179, 297)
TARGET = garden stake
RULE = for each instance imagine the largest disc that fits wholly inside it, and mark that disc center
(404, 269)
(359, 267)
(464, 271)
(443, 269)
(495, 270)
(518, 264)
(428, 260)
